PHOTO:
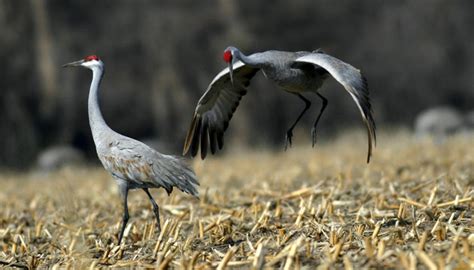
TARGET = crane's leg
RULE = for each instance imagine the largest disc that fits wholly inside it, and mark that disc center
(124, 194)
(289, 133)
(156, 209)
(313, 130)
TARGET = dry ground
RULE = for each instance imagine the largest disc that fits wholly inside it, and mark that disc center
(412, 207)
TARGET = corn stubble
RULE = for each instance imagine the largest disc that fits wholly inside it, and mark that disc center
(410, 208)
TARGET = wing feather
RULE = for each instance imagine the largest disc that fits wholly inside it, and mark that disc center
(215, 110)
(354, 82)
(204, 138)
(142, 166)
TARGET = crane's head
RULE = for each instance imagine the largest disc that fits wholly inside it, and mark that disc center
(228, 56)
(88, 62)
(229, 59)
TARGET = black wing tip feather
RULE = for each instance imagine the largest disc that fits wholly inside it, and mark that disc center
(204, 139)
(204, 136)
(190, 135)
(368, 114)
(212, 141)
(370, 111)
(195, 139)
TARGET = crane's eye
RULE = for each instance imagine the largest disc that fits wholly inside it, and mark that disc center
(227, 56)
(91, 57)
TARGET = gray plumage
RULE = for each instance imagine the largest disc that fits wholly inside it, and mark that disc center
(132, 163)
(295, 72)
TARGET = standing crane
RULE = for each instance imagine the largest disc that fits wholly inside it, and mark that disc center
(132, 163)
(295, 72)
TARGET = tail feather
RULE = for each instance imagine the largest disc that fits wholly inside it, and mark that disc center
(175, 171)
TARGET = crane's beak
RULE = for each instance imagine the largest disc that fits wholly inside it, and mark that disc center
(231, 72)
(74, 64)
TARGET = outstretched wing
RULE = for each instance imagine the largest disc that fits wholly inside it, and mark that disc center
(215, 109)
(353, 82)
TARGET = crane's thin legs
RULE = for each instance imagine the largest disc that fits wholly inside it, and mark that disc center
(125, 217)
(156, 209)
(289, 133)
(313, 130)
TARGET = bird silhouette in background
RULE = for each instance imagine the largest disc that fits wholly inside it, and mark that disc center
(294, 72)
(133, 164)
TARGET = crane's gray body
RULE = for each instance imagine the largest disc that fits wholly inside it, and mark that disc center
(132, 163)
(138, 166)
(292, 77)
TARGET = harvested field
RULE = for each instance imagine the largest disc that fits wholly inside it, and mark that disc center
(412, 207)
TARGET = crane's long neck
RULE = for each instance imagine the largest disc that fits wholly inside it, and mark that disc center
(253, 60)
(96, 120)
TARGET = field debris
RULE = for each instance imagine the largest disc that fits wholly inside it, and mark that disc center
(412, 207)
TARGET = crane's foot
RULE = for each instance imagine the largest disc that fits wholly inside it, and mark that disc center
(313, 136)
(289, 136)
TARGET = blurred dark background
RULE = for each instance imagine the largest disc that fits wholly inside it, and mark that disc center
(161, 55)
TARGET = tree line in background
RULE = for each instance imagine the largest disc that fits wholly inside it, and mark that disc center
(161, 55)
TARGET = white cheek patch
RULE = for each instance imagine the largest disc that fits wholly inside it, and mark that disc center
(90, 64)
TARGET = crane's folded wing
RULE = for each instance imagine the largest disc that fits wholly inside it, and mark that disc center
(353, 82)
(136, 162)
(215, 109)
